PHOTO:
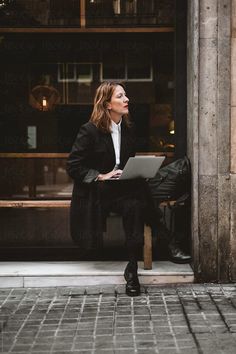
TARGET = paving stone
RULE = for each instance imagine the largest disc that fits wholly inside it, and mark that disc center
(42, 333)
(41, 347)
(143, 330)
(84, 338)
(26, 333)
(166, 344)
(104, 320)
(144, 351)
(125, 345)
(104, 331)
(85, 332)
(123, 351)
(83, 345)
(42, 340)
(67, 352)
(120, 289)
(22, 340)
(124, 330)
(21, 348)
(168, 351)
(104, 345)
(123, 338)
(146, 337)
(62, 346)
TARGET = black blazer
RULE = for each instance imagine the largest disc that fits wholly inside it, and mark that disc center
(93, 153)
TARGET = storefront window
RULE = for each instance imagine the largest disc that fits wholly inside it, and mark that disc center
(47, 90)
(49, 80)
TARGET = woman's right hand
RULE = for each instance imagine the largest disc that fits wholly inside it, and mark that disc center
(112, 174)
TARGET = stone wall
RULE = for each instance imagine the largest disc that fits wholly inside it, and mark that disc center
(209, 119)
(233, 142)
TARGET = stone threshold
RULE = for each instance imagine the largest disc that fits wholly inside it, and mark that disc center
(83, 273)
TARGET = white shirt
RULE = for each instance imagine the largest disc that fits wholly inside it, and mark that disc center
(116, 138)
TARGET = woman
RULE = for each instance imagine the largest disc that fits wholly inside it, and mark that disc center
(100, 152)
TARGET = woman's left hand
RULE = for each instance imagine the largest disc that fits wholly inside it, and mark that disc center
(113, 174)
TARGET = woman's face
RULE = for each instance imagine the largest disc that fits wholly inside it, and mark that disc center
(119, 102)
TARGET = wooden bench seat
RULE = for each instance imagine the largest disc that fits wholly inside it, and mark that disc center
(147, 249)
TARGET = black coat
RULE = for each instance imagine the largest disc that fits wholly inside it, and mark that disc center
(93, 153)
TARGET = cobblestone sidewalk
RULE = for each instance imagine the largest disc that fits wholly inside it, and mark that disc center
(164, 319)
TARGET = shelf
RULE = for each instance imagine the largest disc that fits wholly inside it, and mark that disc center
(61, 155)
(88, 30)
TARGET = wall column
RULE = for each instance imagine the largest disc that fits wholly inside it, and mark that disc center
(209, 136)
(233, 145)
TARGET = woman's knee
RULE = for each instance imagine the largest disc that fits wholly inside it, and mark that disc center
(135, 205)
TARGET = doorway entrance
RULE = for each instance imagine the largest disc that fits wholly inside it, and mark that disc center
(48, 95)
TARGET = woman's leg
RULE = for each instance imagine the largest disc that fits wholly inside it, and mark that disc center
(132, 211)
(127, 200)
(131, 272)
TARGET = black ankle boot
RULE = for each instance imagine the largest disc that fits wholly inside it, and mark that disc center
(131, 277)
(177, 254)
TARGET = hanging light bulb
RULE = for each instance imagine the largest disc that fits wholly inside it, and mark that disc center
(44, 104)
(44, 96)
(172, 127)
(2, 4)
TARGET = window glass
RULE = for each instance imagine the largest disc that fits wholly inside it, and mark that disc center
(114, 69)
(47, 91)
(118, 13)
(35, 13)
(139, 69)
(98, 13)
(24, 178)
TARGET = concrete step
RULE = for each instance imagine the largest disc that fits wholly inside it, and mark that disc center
(47, 274)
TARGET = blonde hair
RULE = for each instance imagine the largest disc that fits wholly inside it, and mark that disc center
(100, 116)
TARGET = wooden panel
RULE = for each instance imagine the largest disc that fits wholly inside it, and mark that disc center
(180, 94)
(51, 203)
(32, 227)
(34, 203)
(52, 155)
(89, 30)
(82, 14)
(34, 155)
(147, 249)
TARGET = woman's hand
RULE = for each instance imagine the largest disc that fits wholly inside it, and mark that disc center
(113, 174)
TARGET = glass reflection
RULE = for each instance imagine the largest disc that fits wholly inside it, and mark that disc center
(98, 13)
(40, 178)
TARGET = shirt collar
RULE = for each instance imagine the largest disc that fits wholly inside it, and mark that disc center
(115, 126)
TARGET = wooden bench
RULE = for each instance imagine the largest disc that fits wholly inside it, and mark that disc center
(147, 249)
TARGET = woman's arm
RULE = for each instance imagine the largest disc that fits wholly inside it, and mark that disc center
(79, 158)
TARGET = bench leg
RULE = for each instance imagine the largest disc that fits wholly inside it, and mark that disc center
(147, 249)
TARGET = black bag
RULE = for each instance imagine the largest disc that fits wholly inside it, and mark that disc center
(172, 181)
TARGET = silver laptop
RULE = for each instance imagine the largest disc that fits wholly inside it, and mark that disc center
(141, 167)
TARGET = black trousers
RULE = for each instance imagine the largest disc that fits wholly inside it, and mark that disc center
(128, 199)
